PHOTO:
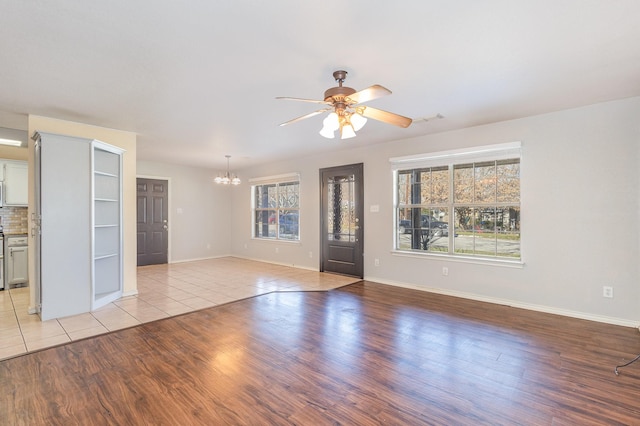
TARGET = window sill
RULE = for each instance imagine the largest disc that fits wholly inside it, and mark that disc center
(504, 263)
(275, 240)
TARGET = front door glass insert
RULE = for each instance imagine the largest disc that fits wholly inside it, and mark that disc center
(342, 222)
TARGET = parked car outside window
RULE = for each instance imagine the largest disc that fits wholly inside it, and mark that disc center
(289, 223)
(405, 227)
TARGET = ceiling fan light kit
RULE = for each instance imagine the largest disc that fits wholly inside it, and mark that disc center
(348, 123)
(347, 132)
(226, 179)
(347, 115)
(357, 121)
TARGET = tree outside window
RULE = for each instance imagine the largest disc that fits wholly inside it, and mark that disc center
(277, 211)
(468, 209)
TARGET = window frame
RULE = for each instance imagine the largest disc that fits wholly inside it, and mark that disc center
(451, 159)
(277, 181)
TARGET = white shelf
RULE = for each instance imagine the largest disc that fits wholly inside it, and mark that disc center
(98, 173)
(105, 256)
(107, 225)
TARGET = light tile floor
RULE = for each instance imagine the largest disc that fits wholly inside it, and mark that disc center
(163, 291)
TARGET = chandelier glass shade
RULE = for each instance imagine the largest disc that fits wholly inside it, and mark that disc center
(226, 178)
(348, 122)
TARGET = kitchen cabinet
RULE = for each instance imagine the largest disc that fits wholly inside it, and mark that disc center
(78, 205)
(17, 271)
(16, 178)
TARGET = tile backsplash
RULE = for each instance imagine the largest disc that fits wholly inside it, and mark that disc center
(15, 220)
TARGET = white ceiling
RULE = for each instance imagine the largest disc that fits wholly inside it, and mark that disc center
(197, 80)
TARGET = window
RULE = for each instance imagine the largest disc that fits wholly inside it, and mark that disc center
(276, 208)
(461, 203)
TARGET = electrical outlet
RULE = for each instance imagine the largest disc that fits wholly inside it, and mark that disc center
(607, 291)
(310, 254)
(277, 250)
(376, 262)
(445, 271)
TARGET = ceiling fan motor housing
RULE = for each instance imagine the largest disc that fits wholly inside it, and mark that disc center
(338, 93)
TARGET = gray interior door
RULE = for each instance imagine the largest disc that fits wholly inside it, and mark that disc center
(342, 225)
(153, 225)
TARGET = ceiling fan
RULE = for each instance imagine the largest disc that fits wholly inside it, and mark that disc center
(348, 114)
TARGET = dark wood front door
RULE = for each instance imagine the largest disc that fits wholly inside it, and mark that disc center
(153, 225)
(342, 225)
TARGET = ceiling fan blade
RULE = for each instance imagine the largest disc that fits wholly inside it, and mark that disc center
(374, 92)
(320, 111)
(387, 117)
(303, 100)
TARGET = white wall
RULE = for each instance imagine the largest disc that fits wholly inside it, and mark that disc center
(199, 213)
(580, 212)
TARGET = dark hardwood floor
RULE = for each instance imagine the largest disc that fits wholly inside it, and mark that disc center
(365, 354)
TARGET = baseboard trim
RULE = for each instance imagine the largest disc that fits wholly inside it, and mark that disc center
(199, 258)
(291, 265)
(512, 303)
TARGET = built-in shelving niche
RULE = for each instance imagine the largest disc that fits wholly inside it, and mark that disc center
(107, 224)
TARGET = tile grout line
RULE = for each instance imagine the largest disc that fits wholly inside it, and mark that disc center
(15, 313)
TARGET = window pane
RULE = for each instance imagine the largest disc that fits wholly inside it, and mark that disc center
(435, 230)
(404, 219)
(404, 188)
(265, 224)
(463, 183)
(415, 192)
(485, 182)
(440, 185)
(423, 187)
(404, 228)
(288, 193)
(508, 181)
(288, 225)
(488, 231)
(266, 196)
(423, 229)
(484, 232)
(508, 232)
(463, 228)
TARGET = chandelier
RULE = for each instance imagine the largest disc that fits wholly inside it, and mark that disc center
(226, 179)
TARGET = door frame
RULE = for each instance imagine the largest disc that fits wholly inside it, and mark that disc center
(359, 176)
(169, 215)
